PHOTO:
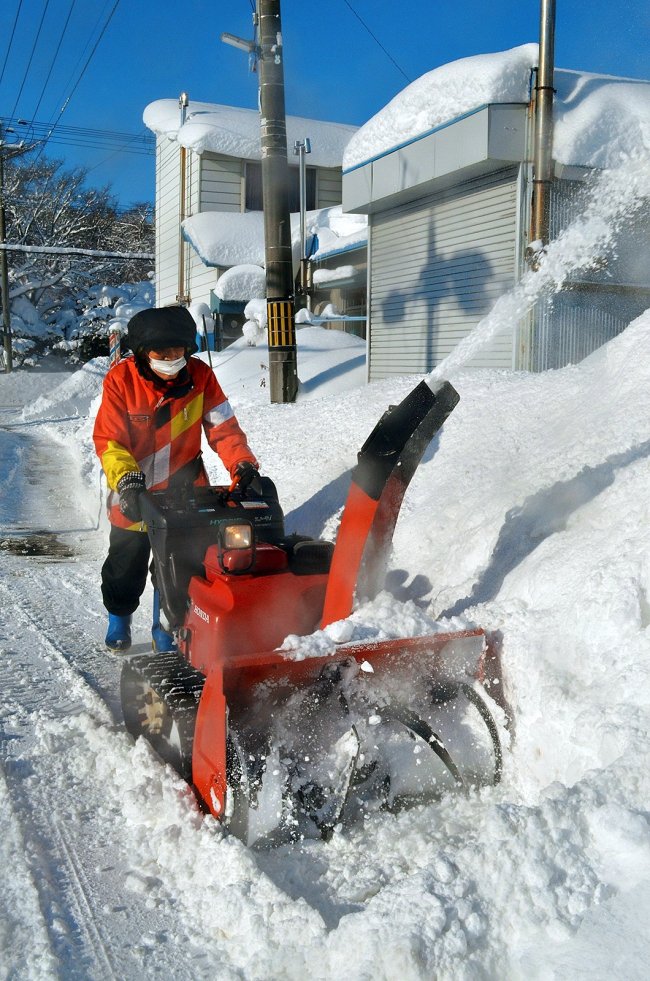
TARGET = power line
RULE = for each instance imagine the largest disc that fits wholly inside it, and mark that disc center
(82, 54)
(82, 136)
(376, 39)
(83, 72)
(11, 40)
(31, 57)
(56, 55)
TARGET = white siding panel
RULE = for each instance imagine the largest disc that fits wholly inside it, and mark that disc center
(167, 204)
(201, 279)
(437, 266)
(329, 187)
(221, 183)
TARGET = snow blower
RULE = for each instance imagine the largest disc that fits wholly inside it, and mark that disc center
(276, 744)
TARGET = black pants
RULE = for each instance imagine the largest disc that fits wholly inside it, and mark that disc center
(124, 573)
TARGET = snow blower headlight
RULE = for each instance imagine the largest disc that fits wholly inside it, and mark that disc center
(236, 546)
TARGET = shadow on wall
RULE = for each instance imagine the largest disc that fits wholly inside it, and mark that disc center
(460, 278)
(540, 516)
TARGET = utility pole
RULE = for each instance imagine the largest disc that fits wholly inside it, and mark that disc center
(280, 302)
(4, 272)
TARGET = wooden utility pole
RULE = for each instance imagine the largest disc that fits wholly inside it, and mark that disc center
(280, 303)
(4, 272)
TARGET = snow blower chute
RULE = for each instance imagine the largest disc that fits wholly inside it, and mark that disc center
(281, 745)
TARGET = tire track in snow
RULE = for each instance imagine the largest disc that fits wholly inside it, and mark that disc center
(21, 917)
(58, 802)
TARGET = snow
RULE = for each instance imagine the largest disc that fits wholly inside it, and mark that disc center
(323, 277)
(598, 119)
(234, 239)
(235, 132)
(227, 239)
(242, 283)
(529, 515)
(335, 231)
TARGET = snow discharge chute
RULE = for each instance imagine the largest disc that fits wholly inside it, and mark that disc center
(285, 745)
(386, 463)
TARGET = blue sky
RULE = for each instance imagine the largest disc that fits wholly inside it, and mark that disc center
(334, 68)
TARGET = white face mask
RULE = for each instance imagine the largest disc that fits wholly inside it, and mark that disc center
(167, 367)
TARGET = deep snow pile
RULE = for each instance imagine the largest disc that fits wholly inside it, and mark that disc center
(598, 119)
(529, 515)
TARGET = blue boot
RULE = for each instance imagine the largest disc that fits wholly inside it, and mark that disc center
(118, 637)
(161, 640)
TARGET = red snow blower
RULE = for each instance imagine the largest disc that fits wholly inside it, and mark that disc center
(276, 743)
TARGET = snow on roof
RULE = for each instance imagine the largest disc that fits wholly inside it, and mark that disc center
(241, 283)
(224, 238)
(230, 239)
(440, 96)
(336, 231)
(598, 119)
(235, 132)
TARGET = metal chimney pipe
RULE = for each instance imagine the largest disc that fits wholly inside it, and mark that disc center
(302, 147)
(181, 296)
(543, 145)
(183, 102)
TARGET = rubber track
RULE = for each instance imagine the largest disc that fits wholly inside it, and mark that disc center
(179, 685)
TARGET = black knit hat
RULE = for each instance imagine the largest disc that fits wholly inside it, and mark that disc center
(162, 327)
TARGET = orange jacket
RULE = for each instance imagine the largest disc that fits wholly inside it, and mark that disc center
(155, 427)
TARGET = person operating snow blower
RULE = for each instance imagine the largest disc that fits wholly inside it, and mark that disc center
(147, 436)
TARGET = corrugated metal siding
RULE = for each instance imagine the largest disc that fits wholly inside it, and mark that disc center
(437, 266)
(577, 321)
(598, 303)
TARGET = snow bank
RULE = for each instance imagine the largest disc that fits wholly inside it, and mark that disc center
(236, 132)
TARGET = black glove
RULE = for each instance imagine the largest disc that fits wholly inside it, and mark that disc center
(129, 487)
(247, 476)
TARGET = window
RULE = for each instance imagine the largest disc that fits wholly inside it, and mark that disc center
(254, 188)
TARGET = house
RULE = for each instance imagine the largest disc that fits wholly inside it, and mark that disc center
(444, 174)
(209, 194)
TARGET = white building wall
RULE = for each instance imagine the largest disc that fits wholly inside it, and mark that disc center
(222, 182)
(167, 209)
(213, 183)
(329, 187)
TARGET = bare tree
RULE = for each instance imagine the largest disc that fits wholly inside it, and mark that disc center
(48, 205)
